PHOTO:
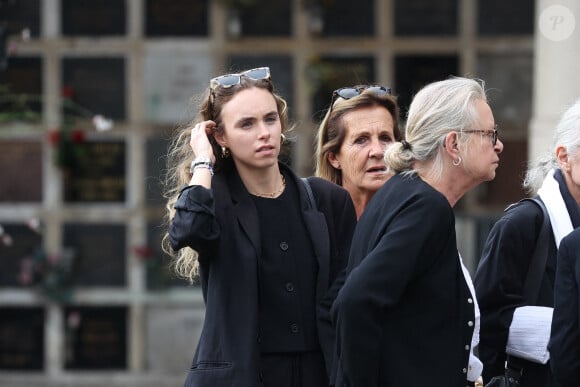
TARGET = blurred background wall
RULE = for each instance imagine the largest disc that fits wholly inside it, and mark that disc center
(91, 90)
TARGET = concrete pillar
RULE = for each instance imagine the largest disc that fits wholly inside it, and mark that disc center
(556, 69)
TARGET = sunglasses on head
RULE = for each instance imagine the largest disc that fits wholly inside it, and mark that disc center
(354, 91)
(229, 80)
(351, 92)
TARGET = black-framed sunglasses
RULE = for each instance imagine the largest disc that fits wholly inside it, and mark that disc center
(492, 133)
(354, 91)
(229, 80)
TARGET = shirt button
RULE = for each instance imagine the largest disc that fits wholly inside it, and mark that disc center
(284, 246)
(464, 370)
(294, 328)
(470, 323)
(467, 347)
(470, 300)
(289, 287)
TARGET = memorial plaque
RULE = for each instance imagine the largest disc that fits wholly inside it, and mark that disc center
(263, 18)
(99, 253)
(93, 18)
(21, 338)
(15, 157)
(21, 14)
(172, 333)
(159, 273)
(17, 256)
(329, 74)
(97, 173)
(413, 72)
(21, 90)
(498, 17)
(95, 338)
(426, 17)
(347, 18)
(170, 81)
(176, 18)
(97, 85)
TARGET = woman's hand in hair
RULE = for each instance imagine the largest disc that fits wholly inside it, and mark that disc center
(199, 141)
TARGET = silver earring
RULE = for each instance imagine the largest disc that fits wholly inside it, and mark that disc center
(457, 162)
(225, 152)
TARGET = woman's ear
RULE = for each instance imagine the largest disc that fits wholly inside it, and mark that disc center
(333, 160)
(562, 158)
(451, 144)
(219, 137)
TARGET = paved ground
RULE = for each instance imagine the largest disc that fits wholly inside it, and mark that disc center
(74, 380)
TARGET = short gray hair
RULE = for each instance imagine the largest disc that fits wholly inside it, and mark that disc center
(437, 109)
(567, 134)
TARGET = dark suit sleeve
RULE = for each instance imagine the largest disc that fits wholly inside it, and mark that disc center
(194, 221)
(499, 281)
(565, 335)
(402, 252)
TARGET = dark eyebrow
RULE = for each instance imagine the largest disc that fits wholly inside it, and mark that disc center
(244, 119)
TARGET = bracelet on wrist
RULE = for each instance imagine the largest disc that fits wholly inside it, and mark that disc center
(201, 162)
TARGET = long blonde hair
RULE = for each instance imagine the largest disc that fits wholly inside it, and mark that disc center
(179, 156)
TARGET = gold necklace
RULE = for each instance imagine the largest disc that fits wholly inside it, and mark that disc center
(275, 193)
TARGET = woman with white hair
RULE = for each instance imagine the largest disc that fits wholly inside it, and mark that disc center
(406, 314)
(500, 279)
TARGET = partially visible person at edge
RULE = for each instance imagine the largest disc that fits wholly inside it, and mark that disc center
(264, 253)
(406, 315)
(565, 334)
(351, 140)
(501, 273)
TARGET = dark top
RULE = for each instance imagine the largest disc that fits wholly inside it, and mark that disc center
(405, 314)
(222, 225)
(287, 272)
(499, 281)
(565, 335)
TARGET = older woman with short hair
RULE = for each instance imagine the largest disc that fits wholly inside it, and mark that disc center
(501, 277)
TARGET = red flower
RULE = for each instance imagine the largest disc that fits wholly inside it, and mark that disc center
(77, 136)
(144, 252)
(67, 92)
(53, 136)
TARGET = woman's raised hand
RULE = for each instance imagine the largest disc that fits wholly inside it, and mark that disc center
(199, 141)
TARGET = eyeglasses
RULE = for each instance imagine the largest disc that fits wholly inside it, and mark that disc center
(229, 80)
(351, 92)
(492, 133)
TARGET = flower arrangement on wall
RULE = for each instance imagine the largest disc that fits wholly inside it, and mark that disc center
(68, 140)
(50, 274)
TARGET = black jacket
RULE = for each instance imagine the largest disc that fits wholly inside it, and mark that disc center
(565, 335)
(499, 282)
(405, 314)
(222, 225)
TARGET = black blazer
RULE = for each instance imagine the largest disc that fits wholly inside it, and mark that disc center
(405, 314)
(499, 282)
(222, 225)
(565, 335)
